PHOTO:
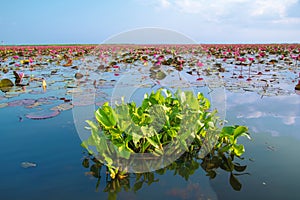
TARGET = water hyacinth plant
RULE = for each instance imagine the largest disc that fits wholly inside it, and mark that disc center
(164, 124)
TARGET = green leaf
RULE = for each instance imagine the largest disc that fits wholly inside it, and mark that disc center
(183, 144)
(239, 131)
(136, 138)
(107, 119)
(145, 146)
(191, 100)
(123, 152)
(90, 141)
(148, 131)
(84, 144)
(92, 125)
(246, 135)
(152, 142)
(227, 131)
(238, 149)
(108, 159)
(113, 172)
(172, 133)
(225, 148)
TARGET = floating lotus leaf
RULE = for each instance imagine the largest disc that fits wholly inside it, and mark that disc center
(78, 75)
(10, 94)
(159, 75)
(3, 105)
(62, 107)
(44, 114)
(22, 102)
(6, 85)
(34, 105)
(71, 86)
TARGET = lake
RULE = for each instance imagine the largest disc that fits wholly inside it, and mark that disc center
(41, 148)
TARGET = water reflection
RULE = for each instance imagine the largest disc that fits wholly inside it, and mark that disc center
(185, 167)
(274, 122)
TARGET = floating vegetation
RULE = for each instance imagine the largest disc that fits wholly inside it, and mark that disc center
(269, 70)
(163, 128)
(44, 114)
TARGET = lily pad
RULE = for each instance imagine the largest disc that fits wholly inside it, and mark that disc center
(63, 107)
(6, 85)
(78, 75)
(22, 102)
(44, 114)
(2, 105)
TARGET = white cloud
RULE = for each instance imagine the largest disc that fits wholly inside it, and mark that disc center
(229, 21)
(287, 20)
(289, 120)
(256, 114)
(165, 3)
(217, 10)
(272, 7)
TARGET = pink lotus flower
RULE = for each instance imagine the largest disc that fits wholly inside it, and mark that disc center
(21, 74)
(200, 64)
(294, 57)
(158, 63)
(160, 58)
(251, 59)
(242, 59)
(16, 57)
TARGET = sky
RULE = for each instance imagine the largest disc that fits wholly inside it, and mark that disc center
(95, 21)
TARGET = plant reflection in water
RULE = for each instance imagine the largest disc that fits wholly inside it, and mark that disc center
(184, 167)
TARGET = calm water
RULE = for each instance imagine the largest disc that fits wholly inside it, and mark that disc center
(54, 145)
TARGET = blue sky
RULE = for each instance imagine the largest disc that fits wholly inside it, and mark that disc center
(93, 21)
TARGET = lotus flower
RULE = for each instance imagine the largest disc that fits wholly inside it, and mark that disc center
(242, 59)
(200, 64)
(18, 77)
(293, 57)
